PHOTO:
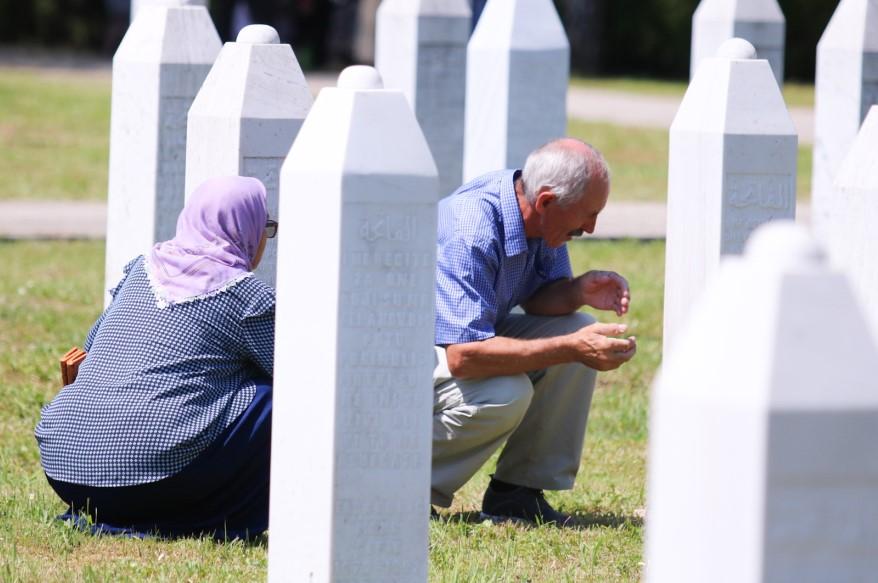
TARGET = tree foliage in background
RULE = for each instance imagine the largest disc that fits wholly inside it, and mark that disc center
(77, 24)
(805, 24)
(652, 37)
(635, 37)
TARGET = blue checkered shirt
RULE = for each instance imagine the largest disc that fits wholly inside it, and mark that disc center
(158, 385)
(485, 264)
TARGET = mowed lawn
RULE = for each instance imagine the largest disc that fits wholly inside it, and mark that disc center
(54, 135)
(54, 138)
(51, 292)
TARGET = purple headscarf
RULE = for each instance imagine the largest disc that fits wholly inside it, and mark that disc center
(218, 235)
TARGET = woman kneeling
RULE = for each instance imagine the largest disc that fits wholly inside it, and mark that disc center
(167, 427)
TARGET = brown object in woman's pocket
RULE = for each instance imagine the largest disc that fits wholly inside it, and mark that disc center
(70, 364)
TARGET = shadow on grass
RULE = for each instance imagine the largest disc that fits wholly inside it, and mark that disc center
(578, 520)
(585, 520)
(85, 524)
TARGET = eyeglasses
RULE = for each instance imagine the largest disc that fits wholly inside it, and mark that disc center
(271, 228)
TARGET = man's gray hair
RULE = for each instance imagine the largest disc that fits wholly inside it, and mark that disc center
(565, 170)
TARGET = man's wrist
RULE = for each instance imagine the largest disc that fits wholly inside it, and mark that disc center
(581, 297)
(564, 347)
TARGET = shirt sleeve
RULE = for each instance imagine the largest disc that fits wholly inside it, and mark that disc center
(466, 304)
(258, 333)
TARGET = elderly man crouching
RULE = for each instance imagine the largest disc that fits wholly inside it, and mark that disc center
(524, 379)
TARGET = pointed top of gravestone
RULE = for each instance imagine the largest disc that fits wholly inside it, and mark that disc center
(520, 24)
(360, 129)
(258, 34)
(254, 79)
(360, 78)
(170, 35)
(854, 25)
(734, 94)
(784, 245)
(858, 169)
(736, 48)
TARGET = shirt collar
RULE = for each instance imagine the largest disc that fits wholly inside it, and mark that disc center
(513, 223)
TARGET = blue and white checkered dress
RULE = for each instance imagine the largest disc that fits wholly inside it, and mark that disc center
(158, 384)
(485, 264)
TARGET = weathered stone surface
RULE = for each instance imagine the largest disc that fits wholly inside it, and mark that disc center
(732, 167)
(762, 462)
(157, 70)
(846, 86)
(420, 49)
(853, 244)
(245, 118)
(760, 22)
(518, 70)
(352, 413)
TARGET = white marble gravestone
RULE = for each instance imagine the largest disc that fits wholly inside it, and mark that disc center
(420, 49)
(157, 70)
(732, 167)
(353, 368)
(764, 420)
(853, 225)
(138, 4)
(518, 71)
(245, 118)
(760, 22)
(846, 86)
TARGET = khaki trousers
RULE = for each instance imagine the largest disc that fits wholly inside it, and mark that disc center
(540, 415)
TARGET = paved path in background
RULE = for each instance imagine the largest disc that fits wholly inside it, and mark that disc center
(24, 219)
(87, 220)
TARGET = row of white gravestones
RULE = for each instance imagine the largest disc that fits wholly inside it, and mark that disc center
(350, 469)
(732, 167)
(518, 71)
(846, 86)
(354, 442)
(853, 244)
(352, 402)
(420, 48)
(157, 71)
(245, 118)
(255, 99)
(760, 22)
(763, 424)
(486, 101)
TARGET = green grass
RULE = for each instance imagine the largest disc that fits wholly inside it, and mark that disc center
(54, 134)
(638, 158)
(51, 293)
(795, 94)
(798, 94)
(646, 86)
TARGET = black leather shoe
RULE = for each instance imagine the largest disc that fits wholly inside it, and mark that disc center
(519, 504)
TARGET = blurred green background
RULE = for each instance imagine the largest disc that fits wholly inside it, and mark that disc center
(608, 37)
